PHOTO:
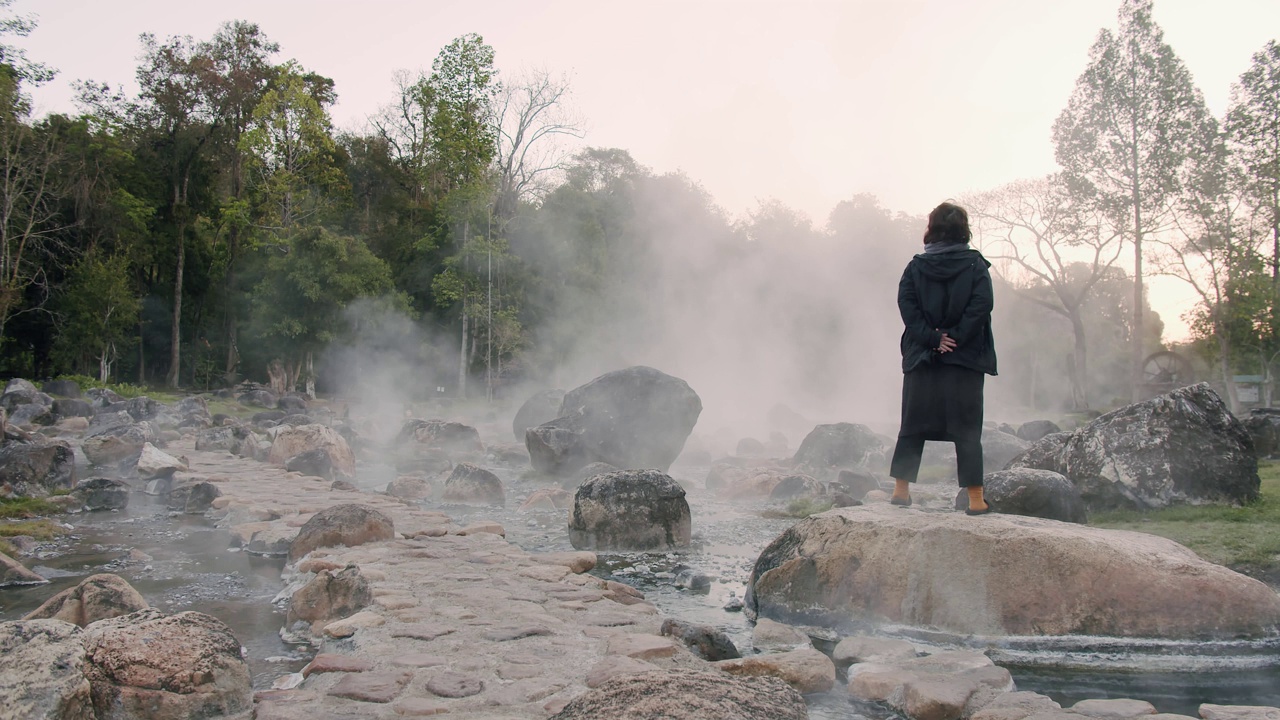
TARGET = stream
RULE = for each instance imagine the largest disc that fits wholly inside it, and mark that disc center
(181, 562)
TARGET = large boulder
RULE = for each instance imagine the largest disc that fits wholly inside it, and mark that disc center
(998, 448)
(33, 414)
(222, 437)
(632, 418)
(1181, 447)
(315, 462)
(1033, 493)
(155, 463)
(828, 448)
(1033, 430)
(19, 392)
(102, 493)
(630, 510)
(97, 597)
(43, 666)
(62, 388)
(36, 469)
(348, 525)
(166, 667)
(192, 496)
(471, 484)
(452, 439)
(686, 695)
(989, 576)
(118, 447)
(72, 408)
(1263, 425)
(704, 641)
(541, 408)
(13, 573)
(293, 440)
(139, 408)
(952, 684)
(330, 595)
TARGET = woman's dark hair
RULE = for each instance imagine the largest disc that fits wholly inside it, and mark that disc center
(948, 223)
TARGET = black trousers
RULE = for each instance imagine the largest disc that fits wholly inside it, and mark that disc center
(910, 448)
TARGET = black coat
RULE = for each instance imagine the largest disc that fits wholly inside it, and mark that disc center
(948, 292)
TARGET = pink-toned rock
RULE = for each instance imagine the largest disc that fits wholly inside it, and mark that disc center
(485, 526)
(419, 660)
(348, 525)
(419, 707)
(452, 684)
(330, 596)
(641, 647)
(614, 665)
(294, 440)
(806, 670)
(97, 597)
(332, 662)
(577, 562)
(42, 665)
(372, 687)
(548, 500)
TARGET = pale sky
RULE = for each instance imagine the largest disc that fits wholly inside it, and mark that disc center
(808, 102)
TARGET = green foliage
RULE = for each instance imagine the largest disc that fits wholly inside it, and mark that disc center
(40, 529)
(1246, 538)
(25, 508)
(123, 389)
(99, 312)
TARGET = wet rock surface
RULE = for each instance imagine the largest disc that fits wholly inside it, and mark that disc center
(883, 563)
(42, 663)
(630, 510)
(348, 525)
(36, 468)
(97, 597)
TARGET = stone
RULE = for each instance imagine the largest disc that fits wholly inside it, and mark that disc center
(961, 671)
(153, 463)
(419, 707)
(828, 448)
(1263, 425)
(13, 572)
(1181, 447)
(97, 597)
(484, 526)
(1033, 493)
(452, 684)
(331, 596)
(372, 687)
(515, 632)
(1209, 711)
(271, 541)
(315, 463)
(704, 641)
(257, 397)
(1119, 708)
(292, 403)
(346, 627)
(640, 647)
(224, 437)
(686, 695)
(119, 446)
(998, 448)
(419, 660)
(63, 409)
(614, 665)
(450, 438)
(102, 493)
(166, 667)
(349, 525)
(332, 663)
(1036, 429)
(771, 636)
(19, 392)
(1020, 705)
(749, 447)
(32, 415)
(409, 487)
(790, 487)
(630, 510)
(859, 649)
(43, 664)
(806, 669)
(587, 472)
(633, 418)
(62, 388)
(541, 407)
(577, 562)
(857, 483)
(889, 564)
(291, 441)
(193, 497)
(472, 484)
(423, 631)
(36, 469)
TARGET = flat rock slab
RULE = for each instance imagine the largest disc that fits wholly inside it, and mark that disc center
(504, 634)
(641, 647)
(806, 670)
(419, 660)
(1118, 708)
(332, 662)
(452, 684)
(419, 707)
(1238, 712)
(577, 562)
(423, 631)
(374, 687)
(613, 666)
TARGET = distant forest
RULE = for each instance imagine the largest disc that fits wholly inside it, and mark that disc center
(215, 227)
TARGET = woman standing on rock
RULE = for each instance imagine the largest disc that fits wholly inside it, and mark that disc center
(945, 300)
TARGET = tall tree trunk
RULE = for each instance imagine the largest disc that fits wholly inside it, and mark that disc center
(1224, 360)
(311, 375)
(175, 338)
(1080, 380)
(462, 353)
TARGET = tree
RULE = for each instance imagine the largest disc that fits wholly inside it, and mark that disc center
(292, 152)
(99, 311)
(298, 305)
(1124, 135)
(529, 119)
(240, 71)
(1047, 241)
(30, 191)
(22, 68)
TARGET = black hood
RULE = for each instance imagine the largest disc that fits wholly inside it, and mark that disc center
(946, 265)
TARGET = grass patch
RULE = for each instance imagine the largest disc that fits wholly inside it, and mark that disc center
(801, 508)
(22, 508)
(232, 408)
(1244, 538)
(40, 529)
